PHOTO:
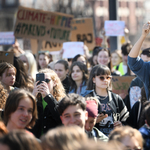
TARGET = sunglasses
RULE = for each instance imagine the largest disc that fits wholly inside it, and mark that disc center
(102, 78)
(47, 80)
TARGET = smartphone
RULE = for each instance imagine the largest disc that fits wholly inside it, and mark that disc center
(40, 77)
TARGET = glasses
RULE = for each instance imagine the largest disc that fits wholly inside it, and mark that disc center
(47, 80)
(102, 78)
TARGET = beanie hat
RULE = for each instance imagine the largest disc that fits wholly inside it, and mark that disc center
(91, 108)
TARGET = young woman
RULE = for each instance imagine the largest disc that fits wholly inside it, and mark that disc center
(43, 59)
(7, 75)
(78, 78)
(104, 58)
(48, 93)
(112, 110)
(22, 78)
(61, 67)
(30, 64)
(20, 110)
(116, 57)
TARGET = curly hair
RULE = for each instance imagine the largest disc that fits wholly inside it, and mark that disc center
(58, 90)
(3, 96)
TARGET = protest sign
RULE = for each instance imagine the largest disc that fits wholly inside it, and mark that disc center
(71, 49)
(114, 28)
(42, 25)
(7, 38)
(121, 84)
(6, 57)
(82, 30)
(46, 45)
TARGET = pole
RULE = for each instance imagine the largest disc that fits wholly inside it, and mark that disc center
(113, 15)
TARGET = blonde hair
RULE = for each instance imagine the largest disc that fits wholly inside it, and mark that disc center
(58, 90)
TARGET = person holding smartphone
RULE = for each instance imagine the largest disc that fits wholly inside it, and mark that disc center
(111, 108)
(48, 93)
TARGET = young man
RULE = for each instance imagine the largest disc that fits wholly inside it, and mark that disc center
(92, 109)
(136, 64)
(72, 109)
(122, 67)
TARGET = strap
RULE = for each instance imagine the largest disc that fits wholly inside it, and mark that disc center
(139, 111)
(117, 67)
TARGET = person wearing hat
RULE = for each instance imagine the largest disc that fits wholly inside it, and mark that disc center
(92, 109)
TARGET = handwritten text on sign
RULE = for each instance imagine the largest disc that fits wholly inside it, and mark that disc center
(72, 49)
(43, 25)
(114, 28)
(82, 30)
(121, 84)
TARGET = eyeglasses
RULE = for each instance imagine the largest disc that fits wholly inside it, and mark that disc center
(47, 80)
(102, 78)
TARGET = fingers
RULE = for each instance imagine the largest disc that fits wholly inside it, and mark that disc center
(117, 124)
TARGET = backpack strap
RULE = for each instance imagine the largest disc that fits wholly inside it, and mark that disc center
(139, 111)
(117, 67)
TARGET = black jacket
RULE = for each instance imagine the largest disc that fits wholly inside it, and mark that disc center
(47, 119)
(120, 112)
(66, 84)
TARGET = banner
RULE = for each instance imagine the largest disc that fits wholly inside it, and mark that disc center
(7, 38)
(114, 28)
(82, 30)
(121, 84)
(42, 25)
(6, 57)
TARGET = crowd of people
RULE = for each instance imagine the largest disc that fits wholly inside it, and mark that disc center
(73, 106)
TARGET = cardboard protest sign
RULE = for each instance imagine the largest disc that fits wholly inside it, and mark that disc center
(114, 28)
(71, 49)
(82, 30)
(7, 38)
(6, 57)
(48, 46)
(121, 84)
(42, 25)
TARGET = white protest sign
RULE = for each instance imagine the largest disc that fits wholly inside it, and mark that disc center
(7, 38)
(114, 28)
(72, 49)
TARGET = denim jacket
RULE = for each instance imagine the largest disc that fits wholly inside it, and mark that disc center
(83, 92)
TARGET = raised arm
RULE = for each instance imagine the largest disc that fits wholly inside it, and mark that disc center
(136, 48)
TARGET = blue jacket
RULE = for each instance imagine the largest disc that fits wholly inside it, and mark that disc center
(83, 93)
(142, 70)
(145, 131)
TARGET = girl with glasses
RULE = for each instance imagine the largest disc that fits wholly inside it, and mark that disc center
(48, 93)
(111, 108)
